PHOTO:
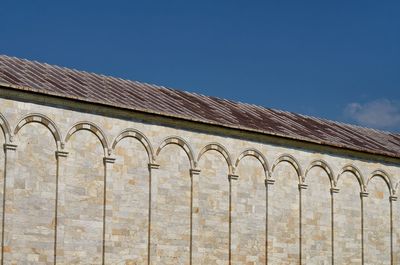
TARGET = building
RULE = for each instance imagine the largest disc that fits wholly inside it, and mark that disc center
(99, 170)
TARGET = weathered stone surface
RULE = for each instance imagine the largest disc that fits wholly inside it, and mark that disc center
(171, 219)
(377, 223)
(317, 226)
(284, 216)
(347, 227)
(127, 214)
(249, 212)
(102, 213)
(213, 242)
(30, 196)
(84, 199)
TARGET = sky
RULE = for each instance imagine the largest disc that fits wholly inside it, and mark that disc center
(338, 60)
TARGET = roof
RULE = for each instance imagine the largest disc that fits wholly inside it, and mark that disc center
(21, 74)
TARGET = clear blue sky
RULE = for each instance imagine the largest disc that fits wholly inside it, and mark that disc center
(332, 59)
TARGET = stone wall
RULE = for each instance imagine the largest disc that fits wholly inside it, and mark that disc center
(77, 187)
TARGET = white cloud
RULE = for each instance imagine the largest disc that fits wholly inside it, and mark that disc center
(381, 113)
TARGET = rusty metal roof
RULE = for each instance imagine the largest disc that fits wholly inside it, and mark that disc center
(68, 83)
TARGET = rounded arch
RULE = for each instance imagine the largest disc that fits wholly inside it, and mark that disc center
(258, 155)
(183, 144)
(322, 164)
(292, 161)
(133, 133)
(220, 149)
(383, 175)
(356, 172)
(5, 127)
(88, 126)
(42, 119)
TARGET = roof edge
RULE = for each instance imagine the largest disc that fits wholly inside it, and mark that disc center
(206, 122)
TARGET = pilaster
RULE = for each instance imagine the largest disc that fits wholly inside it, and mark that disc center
(152, 239)
(232, 213)
(363, 195)
(10, 169)
(61, 157)
(107, 211)
(194, 216)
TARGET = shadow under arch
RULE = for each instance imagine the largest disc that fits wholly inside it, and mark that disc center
(383, 175)
(5, 128)
(89, 126)
(324, 165)
(220, 149)
(355, 172)
(176, 140)
(41, 119)
(259, 156)
(292, 161)
(133, 133)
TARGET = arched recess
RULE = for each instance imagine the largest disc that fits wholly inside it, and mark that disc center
(220, 149)
(323, 165)
(317, 213)
(348, 214)
(385, 177)
(355, 172)
(89, 126)
(5, 127)
(183, 144)
(284, 211)
(249, 231)
(128, 194)
(42, 119)
(377, 219)
(172, 208)
(292, 161)
(214, 205)
(140, 137)
(31, 188)
(82, 206)
(259, 156)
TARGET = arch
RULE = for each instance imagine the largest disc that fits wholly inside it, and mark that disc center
(292, 161)
(182, 143)
(5, 127)
(356, 172)
(220, 149)
(140, 137)
(42, 119)
(383, 175)
(322, 164)
(258, 155)
(88, 126)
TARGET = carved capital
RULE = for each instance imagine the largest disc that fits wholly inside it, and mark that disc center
(303, 186)
(195, 171)
(334, 190)
(233, 177)
(154, 166)
(61, 154)
(11, 147)
(269, 182)
(109, 160)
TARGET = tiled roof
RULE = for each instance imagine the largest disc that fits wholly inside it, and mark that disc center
(67, 83)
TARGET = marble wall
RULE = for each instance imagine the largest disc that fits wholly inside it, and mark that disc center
(77, 187)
